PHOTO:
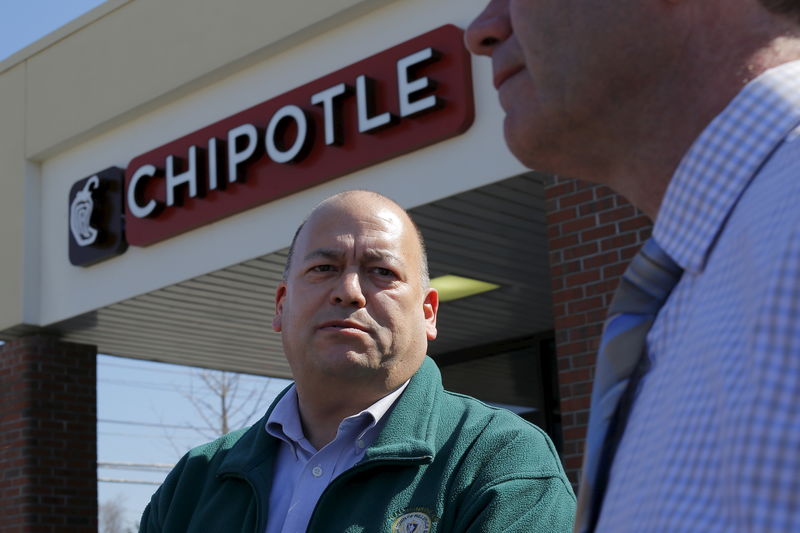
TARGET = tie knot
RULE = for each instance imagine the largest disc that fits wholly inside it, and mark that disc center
(647, 282)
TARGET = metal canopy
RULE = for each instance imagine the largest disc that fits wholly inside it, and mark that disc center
(222, 320)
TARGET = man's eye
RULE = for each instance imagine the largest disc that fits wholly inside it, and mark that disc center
(322, 268)
(382, 271)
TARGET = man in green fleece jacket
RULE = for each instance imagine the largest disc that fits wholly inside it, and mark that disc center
(366, 440)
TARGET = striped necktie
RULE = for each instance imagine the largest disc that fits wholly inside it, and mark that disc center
(621, 362)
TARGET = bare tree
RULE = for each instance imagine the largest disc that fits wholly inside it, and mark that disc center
(222, 403)
(111, 516)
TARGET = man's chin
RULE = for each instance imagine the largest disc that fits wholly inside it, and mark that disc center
(348, 364)
(517, 137)
(532, 148)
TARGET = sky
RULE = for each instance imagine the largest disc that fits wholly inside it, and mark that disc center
(145, 410)
(23, 22)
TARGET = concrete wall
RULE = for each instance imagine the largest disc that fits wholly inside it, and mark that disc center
(106, 67)
(131, 75)
(12, 193)
(147, 49)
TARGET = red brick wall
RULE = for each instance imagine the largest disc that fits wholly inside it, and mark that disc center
(592, 234)
(48, 437)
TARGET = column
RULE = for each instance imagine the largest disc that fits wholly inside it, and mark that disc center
(48, 436)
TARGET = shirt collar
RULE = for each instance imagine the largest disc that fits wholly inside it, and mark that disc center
(284, 421)
(378, 410)
(723, 161)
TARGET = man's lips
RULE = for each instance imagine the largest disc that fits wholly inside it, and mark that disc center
(342, 325)
(503, 74)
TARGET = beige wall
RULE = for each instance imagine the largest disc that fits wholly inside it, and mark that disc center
(134, 74)
(93, 76)
(118, 60)
(12, 193)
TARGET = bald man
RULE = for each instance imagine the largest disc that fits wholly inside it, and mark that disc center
(366, 439)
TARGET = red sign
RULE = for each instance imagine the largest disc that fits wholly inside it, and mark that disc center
(410, 96)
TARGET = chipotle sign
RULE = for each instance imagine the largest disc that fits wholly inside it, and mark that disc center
(410, 96)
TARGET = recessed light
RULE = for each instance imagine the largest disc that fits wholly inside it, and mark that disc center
(452, 287)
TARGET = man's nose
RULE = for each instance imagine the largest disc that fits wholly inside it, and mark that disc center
(489, 29)
(348, 291)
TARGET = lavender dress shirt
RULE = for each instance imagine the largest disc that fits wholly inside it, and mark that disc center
(301, 472)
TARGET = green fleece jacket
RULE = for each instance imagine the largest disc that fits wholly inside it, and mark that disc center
(442, 463)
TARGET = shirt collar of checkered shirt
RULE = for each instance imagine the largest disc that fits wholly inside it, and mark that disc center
(722, 162)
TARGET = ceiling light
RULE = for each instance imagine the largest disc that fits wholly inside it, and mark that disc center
(452, 287)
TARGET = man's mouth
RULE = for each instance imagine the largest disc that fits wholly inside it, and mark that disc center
(502, 75)
(342, 325)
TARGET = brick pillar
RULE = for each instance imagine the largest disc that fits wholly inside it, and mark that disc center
(592, 234)
(48, 436)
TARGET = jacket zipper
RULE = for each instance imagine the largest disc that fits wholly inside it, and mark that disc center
(359, 468)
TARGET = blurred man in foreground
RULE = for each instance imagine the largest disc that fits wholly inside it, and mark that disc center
(689, 109)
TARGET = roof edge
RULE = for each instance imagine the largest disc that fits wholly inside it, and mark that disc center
(61, 33)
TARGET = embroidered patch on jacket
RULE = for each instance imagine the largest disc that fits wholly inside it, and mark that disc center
(414, 522)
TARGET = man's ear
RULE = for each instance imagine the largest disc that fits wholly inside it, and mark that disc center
(280, 294)
(430, 308)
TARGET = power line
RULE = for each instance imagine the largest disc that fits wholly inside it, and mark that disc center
(142, 384)
(150, 424)
(191, 371)
(128, 481)
(189, 441)
(130, 435)
(120, 465)
(188, 371)
(168, 387)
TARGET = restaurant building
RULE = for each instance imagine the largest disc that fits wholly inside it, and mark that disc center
(156, 158)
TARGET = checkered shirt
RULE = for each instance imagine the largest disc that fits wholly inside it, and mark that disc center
(713, 441)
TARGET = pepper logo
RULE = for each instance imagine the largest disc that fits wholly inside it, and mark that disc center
(416, 522)
(96, 218)
(80, 214)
